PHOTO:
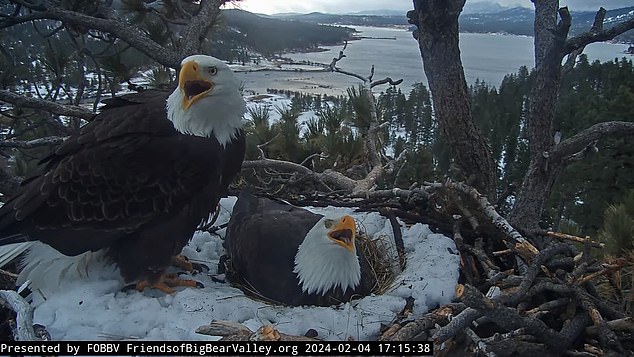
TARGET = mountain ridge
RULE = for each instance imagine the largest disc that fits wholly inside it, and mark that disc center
(499, 19)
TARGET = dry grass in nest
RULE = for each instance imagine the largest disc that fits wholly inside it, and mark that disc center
(380, 255)
(617, 288)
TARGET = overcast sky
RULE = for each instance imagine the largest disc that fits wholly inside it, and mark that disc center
(345, 6)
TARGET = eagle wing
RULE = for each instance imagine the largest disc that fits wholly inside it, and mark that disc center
(261, 241)
(126, 168)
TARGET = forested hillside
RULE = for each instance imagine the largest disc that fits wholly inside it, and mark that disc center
(591, 93)
(517, 20)
(270, 36)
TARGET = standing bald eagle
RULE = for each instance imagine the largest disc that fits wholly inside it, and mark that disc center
(139, 177)
(291, 256)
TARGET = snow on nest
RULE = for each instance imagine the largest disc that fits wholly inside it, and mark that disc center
(85, 302)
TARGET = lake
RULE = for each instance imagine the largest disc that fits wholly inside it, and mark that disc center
(395, 54)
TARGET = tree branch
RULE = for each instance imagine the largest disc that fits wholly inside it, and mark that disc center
(126, 32)
(388, 80)
(52, 107)
(594, 35)
(195, 33)
(24, 320)
(328, 177)
(16, 20)
(51, 140)
(586, 137)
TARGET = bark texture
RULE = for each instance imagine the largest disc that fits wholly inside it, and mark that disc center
(548, 159)
(437, 36)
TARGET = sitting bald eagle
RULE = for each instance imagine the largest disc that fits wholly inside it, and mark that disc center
(291, 256)
(139, 177)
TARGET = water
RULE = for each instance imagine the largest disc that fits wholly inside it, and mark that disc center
(487, 57)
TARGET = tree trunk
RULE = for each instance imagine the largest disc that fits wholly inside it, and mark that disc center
(437, 35)
(542, 172)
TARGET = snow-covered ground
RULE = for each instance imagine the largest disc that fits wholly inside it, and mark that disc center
(85, 301)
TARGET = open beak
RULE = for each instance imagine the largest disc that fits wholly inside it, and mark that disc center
(344, 232)
(193, 85)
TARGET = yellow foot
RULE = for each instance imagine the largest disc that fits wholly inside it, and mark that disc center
(166, 282)
(181, 261)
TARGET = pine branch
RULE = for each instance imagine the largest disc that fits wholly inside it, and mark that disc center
(192, 36)
(191, 40)
(52, 107)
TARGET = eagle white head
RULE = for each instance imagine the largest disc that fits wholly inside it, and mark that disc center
(327, 258)
(207, 100)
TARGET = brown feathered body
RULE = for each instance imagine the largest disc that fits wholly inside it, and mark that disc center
(262, 240)
(128, 182)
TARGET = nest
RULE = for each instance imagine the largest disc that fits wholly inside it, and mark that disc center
(384, 262)
(380, 256)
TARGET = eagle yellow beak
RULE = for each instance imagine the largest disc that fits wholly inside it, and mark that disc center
(344, 232)
(192, 84)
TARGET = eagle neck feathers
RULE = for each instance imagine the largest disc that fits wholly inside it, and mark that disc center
(322, 265)
(219, 115)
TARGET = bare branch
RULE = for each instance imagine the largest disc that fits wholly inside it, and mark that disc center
(595, 35)
(329, 177)
(487, 208)
(35, 103)
(386, 80)
(597, 25)
(24, 320)
(16, 20)
(50, 140)
(510, 319)
(596, 132)
(310, 157)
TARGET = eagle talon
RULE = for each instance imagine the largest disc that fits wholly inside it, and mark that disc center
(181, 261)
(129, 287)
(219, 278)
(200, 268)
(166, 283)
(130, 166)
(160, 285)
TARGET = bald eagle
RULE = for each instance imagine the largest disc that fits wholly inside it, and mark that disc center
(291, 256)
(140, 177)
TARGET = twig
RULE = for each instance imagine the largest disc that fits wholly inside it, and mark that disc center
(398, 236)
(522, 245)
(481, 345)
(607, 268)
(510, 319)
(320, 155)
(564, 236)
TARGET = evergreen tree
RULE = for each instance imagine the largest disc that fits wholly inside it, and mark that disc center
(618, 226)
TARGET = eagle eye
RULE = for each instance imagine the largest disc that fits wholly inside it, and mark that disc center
(329, 223)
(212, 70)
